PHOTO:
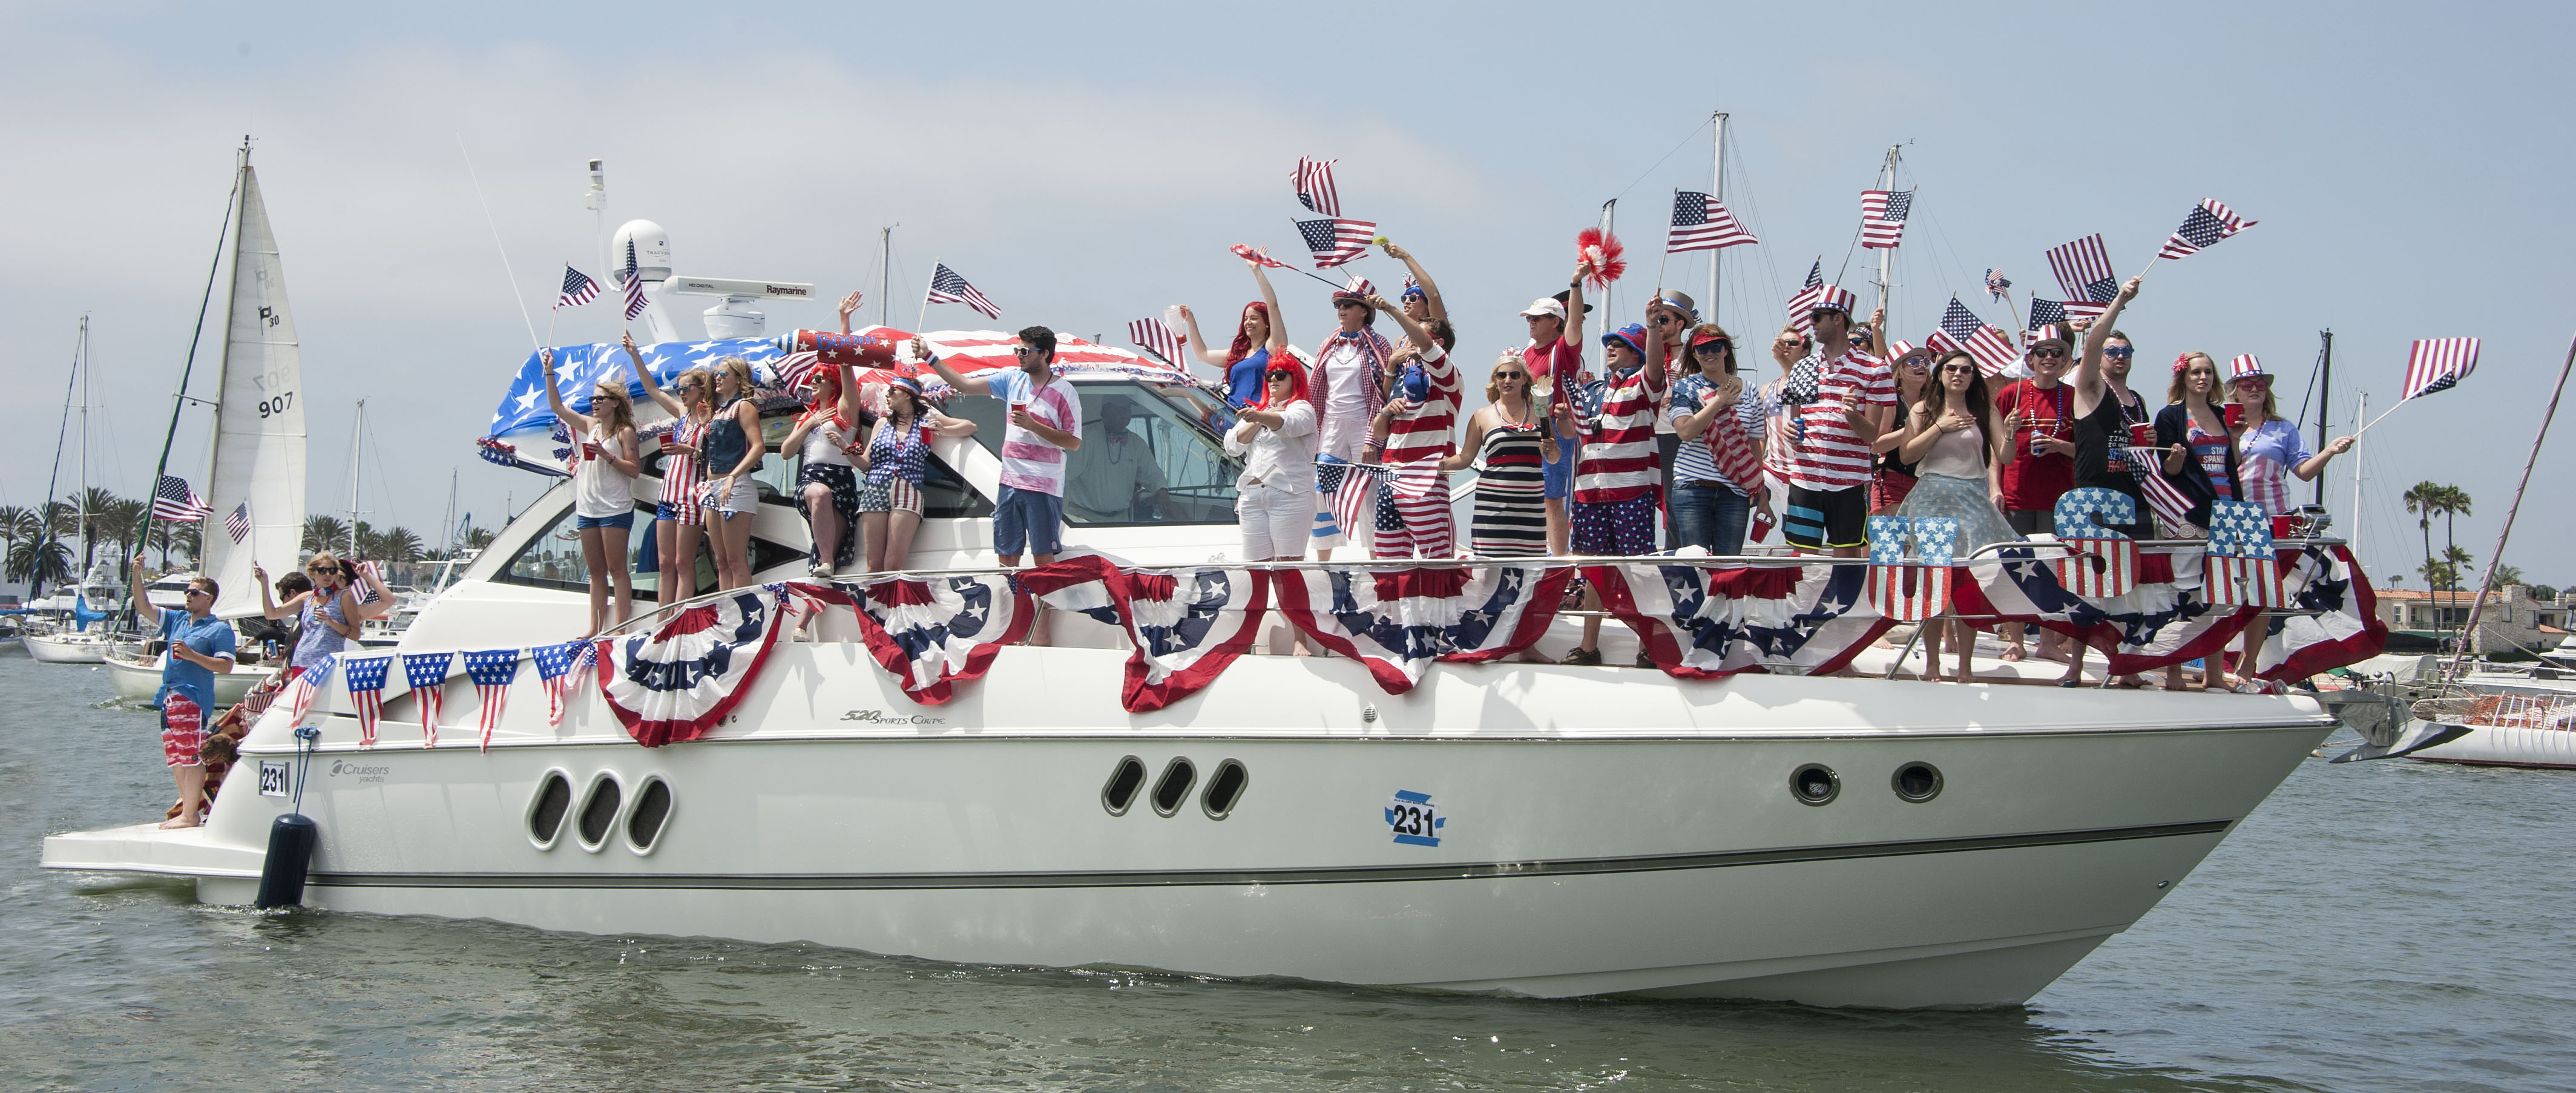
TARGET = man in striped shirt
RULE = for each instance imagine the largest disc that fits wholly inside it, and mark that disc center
(1835, 401)
(1418, 423)
(1616, 483)
(1044, 423)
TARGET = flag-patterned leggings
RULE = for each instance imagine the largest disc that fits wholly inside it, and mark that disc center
(1415, 527)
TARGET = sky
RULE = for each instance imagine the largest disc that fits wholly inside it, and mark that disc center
(1085, 166)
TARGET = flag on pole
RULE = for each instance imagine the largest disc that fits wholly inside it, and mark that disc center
(492, 670)
(172, 500)
(578, 288)
(1997, 284)
(1806, 298)
(1258, 256)
(2044, 312)
(634, 285)
(1157, 339)
(2080, 263)
(1701, 222)
(237, 522)
(2165, 498)
(1963, 331)
(2436, 364)
(1882, 217)
(946, 287)
(2207, 223)
(1337, 240)
(1315, 186)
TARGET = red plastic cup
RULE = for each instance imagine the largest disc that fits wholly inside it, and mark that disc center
(2142, 436)
(2235, 415)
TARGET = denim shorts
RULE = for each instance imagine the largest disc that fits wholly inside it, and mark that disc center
(1560, 474)
(625, 520)
(1028, 517)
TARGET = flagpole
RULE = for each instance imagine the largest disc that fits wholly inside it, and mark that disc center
(924, 315)
(2476, 606)
(1717, 190)
(2151, 263)
(496, 237)
(2374, 421)
(1668, 246)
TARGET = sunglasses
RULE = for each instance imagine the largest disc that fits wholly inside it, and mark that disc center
(1949, 368)
(2044, 354)
(1283, 375)
(1511, 375)
(2121, 351)
(2253, 381)
(199, 592)
(1020, 349)
(1664, 320)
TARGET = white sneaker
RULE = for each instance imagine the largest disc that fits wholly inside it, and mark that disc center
(820, 571)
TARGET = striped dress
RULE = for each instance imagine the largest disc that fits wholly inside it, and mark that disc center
(680, 478)
(1511, 509)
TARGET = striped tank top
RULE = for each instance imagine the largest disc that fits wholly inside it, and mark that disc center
(680, 477)
(1510, 520)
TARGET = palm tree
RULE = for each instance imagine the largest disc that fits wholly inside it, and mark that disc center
(95, 503)
(2509, 575)
(119, 521)
(191, 538)
(478, 538)
(327, 532)
(36, 553)
(2455, 503)
(2423, 500)
(368, 542)
(16, 522)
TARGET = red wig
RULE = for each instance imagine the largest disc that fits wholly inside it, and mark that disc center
(1296, 381)
(1243, 346)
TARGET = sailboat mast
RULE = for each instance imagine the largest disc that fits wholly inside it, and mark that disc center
(188, 368)
(1886, 255)
(2360, 413)
(80, 501)
(357, 436)
(1716, 189)
(2325, 397)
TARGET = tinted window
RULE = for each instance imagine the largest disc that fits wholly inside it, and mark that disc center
(553, 559)
(1161, 465)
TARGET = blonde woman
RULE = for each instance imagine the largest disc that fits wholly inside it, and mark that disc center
(1953, 440)
(733, 450)
(676, 528)
(2200, 460)
(1504, 436)
(604, 465)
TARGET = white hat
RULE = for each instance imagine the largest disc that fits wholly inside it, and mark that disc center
(1546, 305)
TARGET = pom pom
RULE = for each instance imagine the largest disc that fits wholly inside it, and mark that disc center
(1601, 257)
(1377, 240)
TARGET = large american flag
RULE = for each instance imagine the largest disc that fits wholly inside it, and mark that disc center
(1701, 222)
(172, 500)
(1806, 298)
(946, 287)
(1882, 217)
(1157, 339)
(2207, 223)
(2436, 364)
(1337, 240)
(1962, 330)
(634, 284)
(578, 288)
(237, 522)
(2080, 263)
(1315, 186)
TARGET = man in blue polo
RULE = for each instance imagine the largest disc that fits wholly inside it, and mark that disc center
(200, 646)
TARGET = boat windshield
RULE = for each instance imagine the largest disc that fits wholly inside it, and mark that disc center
(1148, 456)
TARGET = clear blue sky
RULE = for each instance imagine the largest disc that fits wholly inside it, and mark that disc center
(1086, 168)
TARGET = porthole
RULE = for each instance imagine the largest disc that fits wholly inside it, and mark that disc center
(547, 808)
(1124, 780)
(599, 811)
(1174, 786)
(652, 810)
(1916, 782)
(1225, 787)
(1815, 784)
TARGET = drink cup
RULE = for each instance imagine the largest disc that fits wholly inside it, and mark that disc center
(2235, 415)
(2142, 436)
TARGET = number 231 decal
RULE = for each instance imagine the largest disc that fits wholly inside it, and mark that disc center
(1413, 819)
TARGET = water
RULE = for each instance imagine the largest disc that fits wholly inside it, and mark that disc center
(2379, 926)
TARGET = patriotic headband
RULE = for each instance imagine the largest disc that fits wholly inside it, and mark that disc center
(2244, 365)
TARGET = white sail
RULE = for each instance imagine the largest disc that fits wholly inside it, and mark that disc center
(259, 423)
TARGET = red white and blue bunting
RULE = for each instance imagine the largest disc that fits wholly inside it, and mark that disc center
(492, 671)
(679, 681)
(427, 675)
(931, 633)
(1701, 623)
(366, 678)
(1398, 621)
(2163, 619)
(1184, 628)
(560, 669)
(2346, 628)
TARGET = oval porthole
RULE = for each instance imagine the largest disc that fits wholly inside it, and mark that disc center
(1124, 780)
(1225, 787)
(652, 811)
(1174, 786)
(1815, 784)
(599, 811)
(1916, 782)
(546, 810)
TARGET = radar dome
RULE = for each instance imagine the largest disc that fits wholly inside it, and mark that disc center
(651, 250)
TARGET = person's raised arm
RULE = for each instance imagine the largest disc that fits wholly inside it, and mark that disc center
(975, 386)
(849, 304)
(1422, 277)
(144, 612)
(2088, 367)
(2309, 468)
(1574, 314)
(944, 425)
(578, 422)
(1413, 331)
(652, 387)
(1655, 355)
(384, 602)
(1278, 342)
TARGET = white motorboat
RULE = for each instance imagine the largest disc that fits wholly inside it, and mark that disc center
(2503, 729)
(138, 677)
(70, 646)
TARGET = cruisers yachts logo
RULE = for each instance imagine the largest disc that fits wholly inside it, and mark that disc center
(1414, 820)
(361, 772)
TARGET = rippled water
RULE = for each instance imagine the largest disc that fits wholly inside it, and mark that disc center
(2378, 926)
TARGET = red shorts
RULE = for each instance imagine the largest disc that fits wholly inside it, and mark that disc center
(183, 728)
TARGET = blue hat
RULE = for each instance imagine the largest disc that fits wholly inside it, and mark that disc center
(1634, 334)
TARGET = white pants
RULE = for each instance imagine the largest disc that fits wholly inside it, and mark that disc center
(1276, 522)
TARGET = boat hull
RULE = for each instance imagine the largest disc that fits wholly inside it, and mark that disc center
(66, 649)
(2506, 746)
(140, 681)
(1580, 854)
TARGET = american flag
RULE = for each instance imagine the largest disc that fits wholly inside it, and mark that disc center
(2163, 496)
(1882, 217)
(2044, 312)
(1996, 283)
(172, 500)
(2095, 300)
(946, 287)
(492, 670)
(1353, 489)
(1258, 255)
(1962, 330)
(367, 589)
(561, 668)
(2207, 223)
(2080, 263)
(310, 684)
(237, 522)
(1337, 240)
(1315, 186)
(634, 284)
(1806, 298)
(1701, 222)
(2435, 364)
(1157, 339)
(367, 694)
(2243, 568)
(427, 675)
(578, 288)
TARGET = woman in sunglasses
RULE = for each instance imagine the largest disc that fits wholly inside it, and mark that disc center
(1892, 475)
(1504, 445)
(604, 465)
(2269, 449)
(1713, 417)
(326, 614)
(676, 525)
(1274, 499)
(1953, 439)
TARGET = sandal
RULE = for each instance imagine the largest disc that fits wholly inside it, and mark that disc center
(1644, 661)
(1582, 656)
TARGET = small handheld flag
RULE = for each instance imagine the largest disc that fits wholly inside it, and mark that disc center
(2207, 223)
(2438, 364)
(172, 500)
(946, 287)
(2079, 264)
(1156, 338)
(578, 288)
(1315, 186)
(1258, 256)
(1882, 217)
(1701, 222)
(1336, 241)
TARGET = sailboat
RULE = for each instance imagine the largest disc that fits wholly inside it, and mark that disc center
(256, 469)
(72, 641)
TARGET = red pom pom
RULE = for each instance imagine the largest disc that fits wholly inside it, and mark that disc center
(1602, 256)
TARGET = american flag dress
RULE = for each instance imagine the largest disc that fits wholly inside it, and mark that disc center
(680, 476)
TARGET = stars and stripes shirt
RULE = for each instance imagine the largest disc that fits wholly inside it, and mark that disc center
(1029, 461)
(1693, 461)
(1617, 418)
(1822, 451)
(1425, 427)
(680, 476)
